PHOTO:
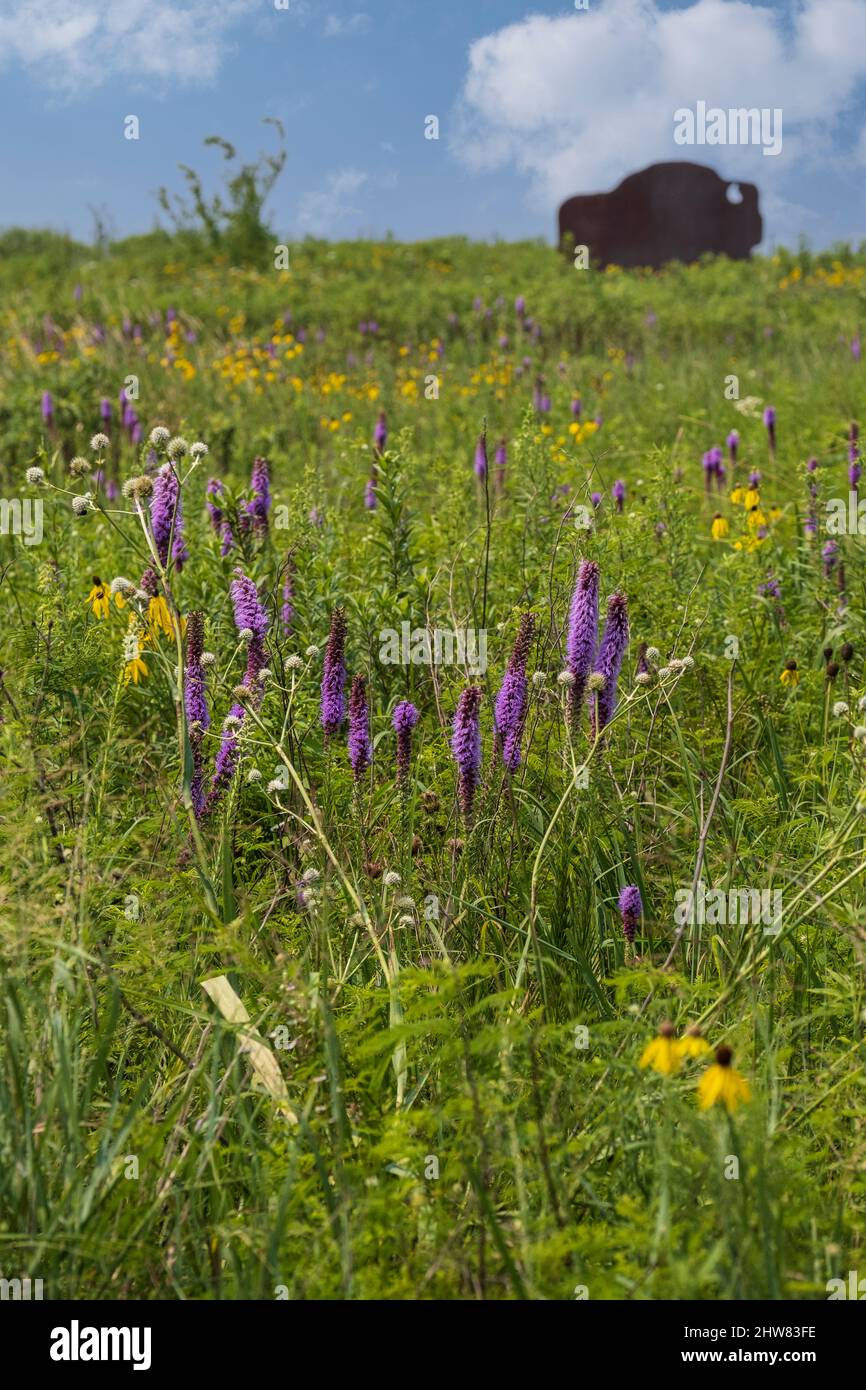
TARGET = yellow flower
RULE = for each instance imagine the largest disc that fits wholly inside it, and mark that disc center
(133, 669)
(693, 1043)
(159, 616)
(790, 675)
(737, 495)
(98, 598)
(722, 1082)
(662, 1054)
(751, 498)
(719, 528)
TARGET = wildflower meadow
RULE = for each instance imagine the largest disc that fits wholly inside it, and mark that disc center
(434, 742)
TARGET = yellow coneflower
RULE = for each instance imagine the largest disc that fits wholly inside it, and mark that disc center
(737, 495)
(790, 675)
(159, 616)
(693, 1043)
(133, 665)
(751, 498)
(662, 1054)
(719, 528)
(99, 598)
(722, 1082)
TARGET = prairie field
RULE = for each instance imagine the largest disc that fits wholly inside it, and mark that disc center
(434, 744)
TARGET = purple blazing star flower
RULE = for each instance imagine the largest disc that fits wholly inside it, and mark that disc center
(112, 491)
(631, 910)
(520, 306)
(576, 407)
(47, 407)
(854, 468)
(260, 505)
(812, 465)
(511, 703)
(537, 395)
(500, 458)
(545, 405)
(611, 651)
(360, 748)
(770, 423)
(333, 706)
(617, 492)
(250, 616)
(166, 517)
(770, 588)
(582, 635)
(755, 478)
(380, 433)
(370, 501)
(195, 703)
(855, 347)
(135, 434)
(466, 747)
(404, 719)
(596, 499)
(225, 764)
(481, 457)
(105, 411)
(830, 556)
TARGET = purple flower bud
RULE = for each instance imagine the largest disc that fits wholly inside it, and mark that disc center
(360, 748)
(617, 492)
(47, 407)
(614, 644)
(755, 478)
(404, 719)
(576, 407)
(370, 495)
(195, 703)
(812, 465)
(333, 705)
(380, 433)
(830, 555)
(631, 910)
(500, 459)
(520, 306)
(105, 410)
(596, 499)
(855, 348)
(466, 747)
(258, 508)
(481, 457)
(770, 422)
(166, 517)
(511, 702)
(582, 635)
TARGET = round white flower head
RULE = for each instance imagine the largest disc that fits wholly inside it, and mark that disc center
(245, 635)
(312, 651)
(405, 921)
(310, 876)
(677, 664)
(665, 671)
(391, 879)
(198, 450)
(565, 678)
(861, 703)
(276, 785)
(81, 504)
(538, 678)
(358, 919)
(207, 659)
(35, 475)
(99, 441)
(294, 662)
(254, 775)
(79, 465)
(839, 709)
(689, 663)
(596, 681)
(405, 904)
(160, 435)
(860, 731)
(653, 655)
(265, 673)
(122, 586)
(177, 447)
(232, 722)
(643, 678)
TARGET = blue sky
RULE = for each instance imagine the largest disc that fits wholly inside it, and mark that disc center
(534, 102)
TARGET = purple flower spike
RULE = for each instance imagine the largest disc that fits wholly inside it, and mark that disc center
(360, 747)
(166, 517)
(333, 706)
(466, 747)
(576, 407)
(380, 433)
(855, 348)
(105, 411)
(259, 507)
(631, 910)
(47, 407)
(755, 478)
(481, 458)
(511, 702)
(404, 719)
(617, 492)
(195, 703)
(614, 644)
(500, 458)
(830, 556)
(770, 423)
(370, 501)
(250, 616)
(582, 635)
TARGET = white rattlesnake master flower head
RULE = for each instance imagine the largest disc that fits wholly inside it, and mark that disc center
(840, 709)
(82, 503)
(160, 435)
(35, 476)
(405, 921)
(142, 486)
(677, 664)
(207, 659)
(539, 678)
(119, 585)
(565, 678)
(275, 785)
(405, 904)
(143, 597)
(231, 722)
(391, 879)
(245, 635)
(198, 449)
(79, 465)
(312, 651)
(861, 703)
(359, 919)
(177, 447)
(310, 876)
(265, 673)
(653, 655)
(860, 731)
(254, 775)
(596, 681)
(294, 662)
(643, 678)
(99, 442)
(689, 663)
(666, 671)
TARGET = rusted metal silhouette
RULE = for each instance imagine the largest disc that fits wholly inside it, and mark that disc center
(667, 212)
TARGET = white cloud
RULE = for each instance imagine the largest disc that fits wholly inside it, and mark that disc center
(92, 40)
(579, 101)
(321, 211)
(337, 28)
